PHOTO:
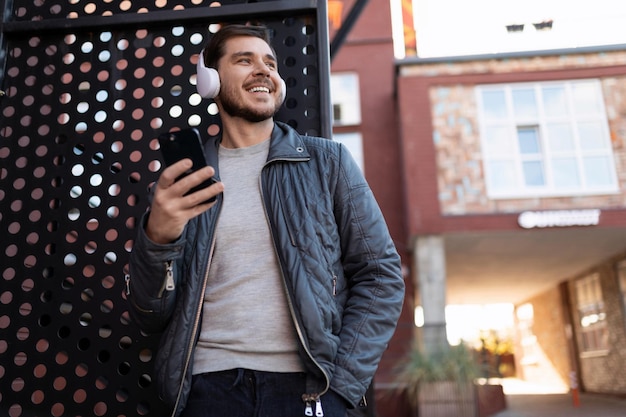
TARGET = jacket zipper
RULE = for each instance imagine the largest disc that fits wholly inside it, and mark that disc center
(168, 284)
(308, 410)
(307, 397)
(194, 331)
(318, 407)
(131, 299)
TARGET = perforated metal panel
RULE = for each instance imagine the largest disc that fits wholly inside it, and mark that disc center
(89, 86)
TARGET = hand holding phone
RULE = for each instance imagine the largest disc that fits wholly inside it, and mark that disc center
(182, 144)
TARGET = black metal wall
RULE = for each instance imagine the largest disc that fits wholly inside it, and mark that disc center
(89, 85)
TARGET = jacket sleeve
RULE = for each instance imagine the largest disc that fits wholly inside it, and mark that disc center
(150, 292)
(374, 278)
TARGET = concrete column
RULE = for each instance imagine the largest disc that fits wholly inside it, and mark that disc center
(430, 265)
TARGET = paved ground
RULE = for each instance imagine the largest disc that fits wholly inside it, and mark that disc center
(560, 405)
(532, 401)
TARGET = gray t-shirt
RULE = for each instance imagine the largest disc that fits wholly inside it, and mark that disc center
(246, 320)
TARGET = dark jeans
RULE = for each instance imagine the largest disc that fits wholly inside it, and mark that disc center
(246, 393)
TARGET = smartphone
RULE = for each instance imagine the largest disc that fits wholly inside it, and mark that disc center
(183, 144)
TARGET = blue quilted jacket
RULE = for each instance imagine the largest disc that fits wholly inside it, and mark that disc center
(340, 267)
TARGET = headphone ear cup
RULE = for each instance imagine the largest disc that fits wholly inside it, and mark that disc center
(283, 90)
(207, 79)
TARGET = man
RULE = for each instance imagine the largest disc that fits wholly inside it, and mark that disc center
(279, 298)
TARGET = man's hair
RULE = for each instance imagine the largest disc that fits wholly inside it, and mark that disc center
(215, 48)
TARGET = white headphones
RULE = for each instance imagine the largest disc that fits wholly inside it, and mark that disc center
(208, 80)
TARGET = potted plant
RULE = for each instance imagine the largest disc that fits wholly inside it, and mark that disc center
(440, 383)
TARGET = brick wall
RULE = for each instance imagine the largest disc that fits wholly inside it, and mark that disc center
(546, 360)
(456, 136)
(605, 373)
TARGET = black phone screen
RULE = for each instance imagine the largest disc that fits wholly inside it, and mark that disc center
(183, 144)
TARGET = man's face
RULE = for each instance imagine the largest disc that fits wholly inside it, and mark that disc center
(250, 83)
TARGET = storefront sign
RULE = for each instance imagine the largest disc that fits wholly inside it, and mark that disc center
(558, 218)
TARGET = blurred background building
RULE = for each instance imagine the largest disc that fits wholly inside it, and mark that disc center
(495, 141)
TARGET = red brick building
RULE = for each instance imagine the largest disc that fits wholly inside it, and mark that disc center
(503, 179)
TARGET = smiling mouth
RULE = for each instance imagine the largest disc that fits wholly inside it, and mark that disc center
(259, 90)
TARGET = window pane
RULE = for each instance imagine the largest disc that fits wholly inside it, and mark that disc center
(591, 313)
(554, 134)
(524, 104)
(344, 92)
(560, 137)
(501, 175)
(586, 98)
(597, 171)
(494, 104)
(533, 173)
(498, 141)
(528, 140)
(554, 101)
(565, 173)
(591, 136)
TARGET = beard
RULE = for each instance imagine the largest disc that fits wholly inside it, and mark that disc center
(234, 108)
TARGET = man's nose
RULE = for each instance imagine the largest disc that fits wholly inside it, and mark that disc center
(261, 68)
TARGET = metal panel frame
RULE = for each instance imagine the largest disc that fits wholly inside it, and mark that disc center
(73, 188)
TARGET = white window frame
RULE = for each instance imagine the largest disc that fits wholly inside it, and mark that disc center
(591, 312)
(511, 158)
(345, 98)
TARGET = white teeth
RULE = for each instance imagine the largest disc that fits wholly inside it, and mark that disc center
(259, 89)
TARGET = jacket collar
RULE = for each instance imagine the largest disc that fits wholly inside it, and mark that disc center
(286, 145)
